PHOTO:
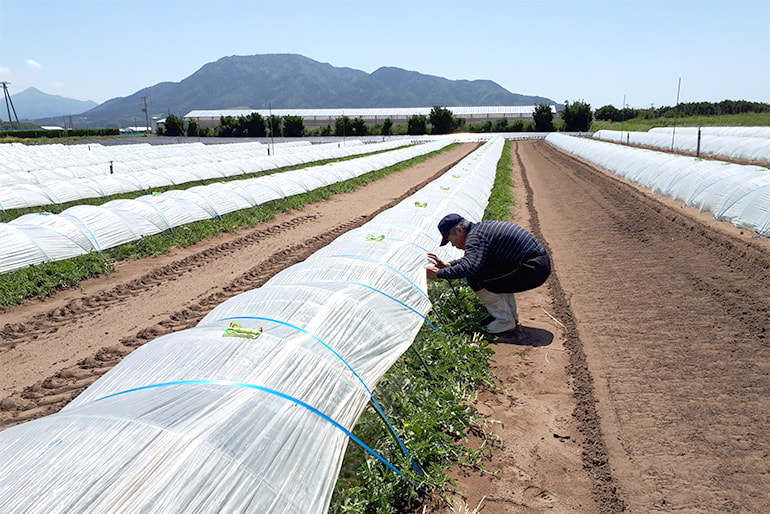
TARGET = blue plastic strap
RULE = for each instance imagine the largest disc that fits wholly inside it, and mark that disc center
(378, 291)
(410, 242)
(724, 211)
(93, 236)
(60, 233)
(371, 395)
(267, 390)
(155, 206)
(384, 264)
(48, 189)
(207, 201)
(417, 230)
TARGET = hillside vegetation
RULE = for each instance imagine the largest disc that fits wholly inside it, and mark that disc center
(291, 81)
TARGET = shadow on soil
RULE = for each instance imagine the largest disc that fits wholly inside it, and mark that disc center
(526, 336)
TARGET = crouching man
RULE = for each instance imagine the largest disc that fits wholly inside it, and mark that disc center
(500, 259)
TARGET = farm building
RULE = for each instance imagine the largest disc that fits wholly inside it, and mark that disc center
(313, 118)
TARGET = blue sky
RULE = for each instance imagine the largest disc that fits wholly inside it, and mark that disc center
(598, 51)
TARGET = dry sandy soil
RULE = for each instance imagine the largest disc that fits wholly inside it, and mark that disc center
(639, 382)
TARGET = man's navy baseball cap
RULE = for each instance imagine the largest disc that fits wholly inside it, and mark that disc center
(446, 224)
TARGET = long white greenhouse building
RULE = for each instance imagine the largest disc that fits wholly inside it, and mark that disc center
(313, 118)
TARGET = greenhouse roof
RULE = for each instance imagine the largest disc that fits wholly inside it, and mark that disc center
(361, 112)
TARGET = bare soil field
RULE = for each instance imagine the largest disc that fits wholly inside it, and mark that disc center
(639, 382)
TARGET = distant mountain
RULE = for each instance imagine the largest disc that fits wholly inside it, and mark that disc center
(32, 104)
(290, 81)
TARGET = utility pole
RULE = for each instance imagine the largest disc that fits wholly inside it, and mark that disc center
(272, 138)
(146, 115)
(623, 118)
(676, 111)
(9, 105)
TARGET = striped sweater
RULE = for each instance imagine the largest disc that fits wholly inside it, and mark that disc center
(493, 245)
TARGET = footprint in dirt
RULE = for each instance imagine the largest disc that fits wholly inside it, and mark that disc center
(536, 497)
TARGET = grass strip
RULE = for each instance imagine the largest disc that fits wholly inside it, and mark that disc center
(42, 279)
(427, 396)
(642, 124)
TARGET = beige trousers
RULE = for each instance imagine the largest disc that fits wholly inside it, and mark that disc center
(502, 307)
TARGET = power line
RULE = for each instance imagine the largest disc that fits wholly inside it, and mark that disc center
(9, 104)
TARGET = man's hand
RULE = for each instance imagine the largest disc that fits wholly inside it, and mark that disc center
(439, 263)
(430, 272)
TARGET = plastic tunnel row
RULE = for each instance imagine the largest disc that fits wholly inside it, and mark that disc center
(218, 419)
(736, 193)
(40, 237)
(47, 186)
(711, 143)
(95, 157)
(716, 131)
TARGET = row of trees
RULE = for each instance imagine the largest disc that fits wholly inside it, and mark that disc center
(577, 117)
(611, 113)
(440, 119)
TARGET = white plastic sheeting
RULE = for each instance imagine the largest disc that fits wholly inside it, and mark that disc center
(120, 221)
(736, 193)
(32, 176)
(95, 158)
(716, 131)
(732, 147)
(204, 421)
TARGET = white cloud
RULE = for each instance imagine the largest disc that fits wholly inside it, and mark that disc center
(34, 64)
(4, 70)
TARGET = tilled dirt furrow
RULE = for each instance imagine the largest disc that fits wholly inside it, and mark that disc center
(79, 308)
(673, 318)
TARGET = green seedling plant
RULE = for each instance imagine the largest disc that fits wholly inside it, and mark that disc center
(426, 396)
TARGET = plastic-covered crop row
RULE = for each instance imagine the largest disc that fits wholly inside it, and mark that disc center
(736, 193)
(732, 147)
(716, 131)
(218, 419)
(20, 157)
(35, 238)
(46, 186)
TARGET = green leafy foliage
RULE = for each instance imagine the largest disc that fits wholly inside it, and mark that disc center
(417, 125)
(194, 129)
(643, 122)
(344, 126)
(174, 126)
(425, 395)
(274, 125)
(40, 280)
(577, 116)
(441, 120)
(387, 127)
(293, 126)
(543, 117)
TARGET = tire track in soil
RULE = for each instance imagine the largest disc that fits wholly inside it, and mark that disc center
(50, 395)
(18, 333)
(673, 315)
(595, 455)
